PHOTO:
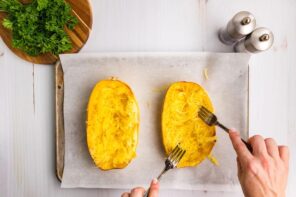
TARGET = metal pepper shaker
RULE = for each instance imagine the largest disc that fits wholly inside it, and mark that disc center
(241, 24)
(261, 39)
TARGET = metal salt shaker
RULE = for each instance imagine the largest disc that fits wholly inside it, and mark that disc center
(241, 24)
(261, 39)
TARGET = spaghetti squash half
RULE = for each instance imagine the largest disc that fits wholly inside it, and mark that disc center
(112, 124)
(181, 124)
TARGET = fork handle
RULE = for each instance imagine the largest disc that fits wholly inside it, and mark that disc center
(158, 179)
(146, 192)
(227, 130)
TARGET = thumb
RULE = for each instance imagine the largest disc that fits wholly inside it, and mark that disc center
(154, 188)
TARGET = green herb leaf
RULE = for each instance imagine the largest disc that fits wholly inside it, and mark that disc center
(42, 4)
(7, 23)
(39, 27)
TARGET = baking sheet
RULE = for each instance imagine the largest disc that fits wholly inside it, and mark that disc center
(149, 75)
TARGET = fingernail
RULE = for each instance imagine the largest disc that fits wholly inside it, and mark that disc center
(154, 181)
(233, 130)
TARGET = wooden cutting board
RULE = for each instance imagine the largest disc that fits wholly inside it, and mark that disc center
(79, 35)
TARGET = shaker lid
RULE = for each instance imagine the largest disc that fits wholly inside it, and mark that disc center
(260, 39)
(243, 23)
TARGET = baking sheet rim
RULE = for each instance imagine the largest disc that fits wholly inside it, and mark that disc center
(59, 96)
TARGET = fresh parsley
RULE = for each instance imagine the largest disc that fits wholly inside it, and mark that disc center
(39, 27)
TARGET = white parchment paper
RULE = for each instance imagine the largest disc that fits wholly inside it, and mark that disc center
(149, 75)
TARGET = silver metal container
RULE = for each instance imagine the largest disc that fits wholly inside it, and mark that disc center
(241, 24)
(261, 39)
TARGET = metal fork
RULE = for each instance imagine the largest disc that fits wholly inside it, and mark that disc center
(171, 162)
(211, 119)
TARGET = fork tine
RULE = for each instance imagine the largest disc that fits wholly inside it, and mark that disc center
(184, 151)
(207, 116)
(201, 113)
(179, 157)
(175, 156)
(203, 110)
(206, 110)
(176, 149)
(202, 107)
(170, 163)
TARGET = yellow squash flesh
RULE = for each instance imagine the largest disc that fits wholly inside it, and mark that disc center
(112, 124)
(181, 124)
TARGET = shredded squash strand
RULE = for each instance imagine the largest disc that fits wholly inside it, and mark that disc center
(112, 125)
(181, 124)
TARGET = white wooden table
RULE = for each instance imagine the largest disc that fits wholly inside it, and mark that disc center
(27, 119)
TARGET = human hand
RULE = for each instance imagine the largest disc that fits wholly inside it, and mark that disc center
(139, 191)
(263, 172)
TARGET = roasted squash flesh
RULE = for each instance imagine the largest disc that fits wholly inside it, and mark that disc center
(181, 124)
(112, 124)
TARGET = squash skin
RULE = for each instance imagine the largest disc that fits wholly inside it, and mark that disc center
(113, 120)
(181, 124)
